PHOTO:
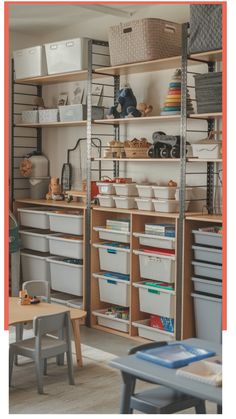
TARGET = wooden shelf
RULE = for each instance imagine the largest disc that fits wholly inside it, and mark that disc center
(119, 121)
(137, 212)
(196, 160)
(53, 124)
(51, 203)
(212, 115)
(205, 217)
(135, 160)
(208, 56)
(55, 78)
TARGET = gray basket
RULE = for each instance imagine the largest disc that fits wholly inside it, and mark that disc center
(205, 27)
(144, 40)
(208, 88)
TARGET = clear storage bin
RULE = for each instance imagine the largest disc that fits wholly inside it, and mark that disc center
(170, 205)
(156, 266)
(66, 222)
(34, 217)
(164, 192)
(145, 191)
(48, 115)
(61, 245)
(106, 188)
(106, 201)
(113, 235)
(66, 276)
(34, 266)
(111, 322)
(114, 257)
(155, 241)
(207, 254)
(155, 301)
(148, 332)
(113, 290)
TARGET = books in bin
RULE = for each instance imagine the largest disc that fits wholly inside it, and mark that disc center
(167, 230)
(120, 225)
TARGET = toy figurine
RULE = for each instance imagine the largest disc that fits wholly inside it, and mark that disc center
(54, 189)
(125, 105)
(144, 109)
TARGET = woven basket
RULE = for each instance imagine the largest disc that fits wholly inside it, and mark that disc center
(144, 40)
(136, 152)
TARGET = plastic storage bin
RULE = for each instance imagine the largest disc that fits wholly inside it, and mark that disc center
(113, 235)
(156, 266)
(66, 222)
(114, 257)
(34, 240)
(207, 254)
(206, 238)
(208, 313)
(30, 117)
(39, 187)
(144, 204)
(34, 217)
(126, 202)
(30, 62)
(126, 189)
(106, 188)
(106, 201)
(145, 191)
(188, 194)
(208, 286)
(111, 322)
(169, 205)
(155, 241)
(207, 149)
(164, 192)
(66, 276)
(48, 115)
(113, 290)
(155, 301)
(207, 270)
(61, 245)
(79, 112)
(151, 333)
(34, 266)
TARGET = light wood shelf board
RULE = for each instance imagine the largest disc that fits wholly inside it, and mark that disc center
(53, 124)
(137, 160)
(51, 203)
(55, 78)
(205, 217)
(119, 121)
(196, 160)
(213, 115)
(212, 56)
(138, 212)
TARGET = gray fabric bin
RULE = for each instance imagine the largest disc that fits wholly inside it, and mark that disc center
(207, 285)
(207, 270)
(205, 27)
(208, 312)
(208, 88)
(207, 254)
(207, 238)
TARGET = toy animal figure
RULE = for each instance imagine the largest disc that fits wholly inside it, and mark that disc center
(144, 108)
(125, 105)
(54, 188)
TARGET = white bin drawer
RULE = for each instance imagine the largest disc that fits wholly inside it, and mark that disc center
(106, 201)
(145, 191)
(34, 240)
(126, 189)
(156, 267)
(126, 202)
(113, 235)
(155, 241)
(62, 222)
(155, 301)
(34, 217)
(106, 188)
(66, 277)
(148, 332)
(34, 266)
(61, 246)
(207, 254)
(30, 62)
(144, 204)
(111, 322)
(164, 192)
(208, 286)
(113, 290)
(169, 205)
(207, 238)
(113, 259)
(207, 270)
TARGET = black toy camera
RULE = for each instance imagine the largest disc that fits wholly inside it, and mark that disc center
(165, 146)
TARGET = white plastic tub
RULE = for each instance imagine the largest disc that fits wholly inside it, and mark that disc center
(34, 240)
(207, 270)
(207, 254)
(208, 149)
(66, 277)
(34, 217)
(61, 222)
(115, 259)
(188, 194)
(113, 235)
(155, 241)
(114, 291)
(144, 204)
(145, 191)
(156, 267)
(48, 115)
(126, 189)
(170, 205)
(208, 317)
(152, 333)
(34, 266)
(207, 238)
(30, 62)
(111, 322)
(125, 202)
(106, 201)
(155, 301)
(106, 188)
(208, 286)
(164, 192)
(62, 246)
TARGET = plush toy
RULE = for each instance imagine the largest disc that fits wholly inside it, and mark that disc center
(145, 109)
(125, 105)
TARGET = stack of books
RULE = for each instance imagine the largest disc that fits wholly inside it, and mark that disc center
(167, 230)
(120, 225)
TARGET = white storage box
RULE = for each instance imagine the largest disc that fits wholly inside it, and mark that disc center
(61, 246)
(207, 270)
(30, 62)
(113, 290)
(155, 241)
(164, 192)
(65, 276)
(79, 112)
(157, 267)
(106, 201)
(34, 217)
(113, 235)
(145, 191)
(207, 254)
(207, 149)
(29, 117)
(144, 204)
(126, 202)
(208, 286)
(34, 240)
(207, 238)
(126, 189)
(169, 205)
(152, 333)
(48, 115)
(34, 266)
(188, 194)
(39, 187)
(111, 322)
(106, 188)
(155, 301)
(62, 222)
(113, 258)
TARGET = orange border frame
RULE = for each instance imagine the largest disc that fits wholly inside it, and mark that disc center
(7, 137)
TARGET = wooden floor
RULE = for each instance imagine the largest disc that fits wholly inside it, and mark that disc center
(97, 388)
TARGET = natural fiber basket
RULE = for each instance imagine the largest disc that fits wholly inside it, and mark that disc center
(144, 40)
(136, 152)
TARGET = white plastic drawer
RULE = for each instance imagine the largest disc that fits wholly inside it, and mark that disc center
(207, 238)
(208, 286)
(34, 240)
(113, 259)
(34, 217)
(144, 204)
(156, 267)
(126, 202)
(66, 277)
(164, 192)
(145, 191)
(106, 188)
(113, 235)
(148, 332)
(61, 246)
(207, 270)
(34, 266)
(156, 301)
(169, 205)
(66, 223)
(126, 189)
(106, 201)
(207, 254)
(111, 322)
(113, 290)
(155, 241)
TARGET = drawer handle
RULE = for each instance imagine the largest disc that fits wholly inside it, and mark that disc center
(32, 51)
(70, 44)
(127, 30)
(170, 29)
(111, 251)
(53, 46)
(109, 281)
(154, 292)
